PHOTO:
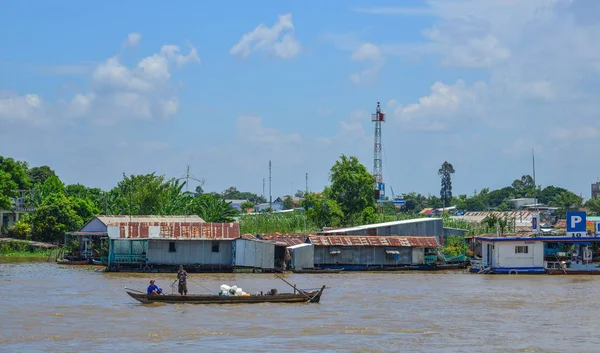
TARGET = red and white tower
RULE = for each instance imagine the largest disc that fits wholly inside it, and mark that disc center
(379, 186)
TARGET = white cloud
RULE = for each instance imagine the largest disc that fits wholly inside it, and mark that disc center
(446, 104)
(278, 40)
(28, 108)
(395, 11)
(574, 135)
(133, 39)
(367, 52)
(116, 92)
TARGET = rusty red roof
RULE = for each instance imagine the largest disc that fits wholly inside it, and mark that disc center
(366, 240)
(179, 230)
(284, 239)
(562, 224)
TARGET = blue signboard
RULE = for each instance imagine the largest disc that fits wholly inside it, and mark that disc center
(399, 202)
(576, 222)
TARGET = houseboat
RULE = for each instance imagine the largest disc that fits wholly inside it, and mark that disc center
(536, 255)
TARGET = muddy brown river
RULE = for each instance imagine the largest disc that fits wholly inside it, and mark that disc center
(51, 308)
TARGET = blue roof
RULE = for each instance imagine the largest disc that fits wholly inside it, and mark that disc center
(542, 239)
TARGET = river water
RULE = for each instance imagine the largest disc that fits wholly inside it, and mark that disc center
(51, 308)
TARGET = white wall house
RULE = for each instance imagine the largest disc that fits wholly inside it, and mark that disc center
(511, 255)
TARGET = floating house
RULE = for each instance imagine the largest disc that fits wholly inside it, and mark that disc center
(372, 252)
(95, 232)
(536, 255)
(410, 227)
(291, 249)
(151, 243)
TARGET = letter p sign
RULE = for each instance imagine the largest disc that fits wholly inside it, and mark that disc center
(576, 222)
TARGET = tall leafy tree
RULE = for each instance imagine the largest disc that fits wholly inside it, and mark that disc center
(322, 212)
(351, 188)
(211, 209)
(55, 217)
(38, 175)
(143, 194)
(17, 171)
(7, 190)
(288, 203)
(566, 202)
(445, 172)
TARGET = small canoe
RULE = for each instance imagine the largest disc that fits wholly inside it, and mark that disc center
(98, 262)
(69, 262)
(287, 298)
(319, 270)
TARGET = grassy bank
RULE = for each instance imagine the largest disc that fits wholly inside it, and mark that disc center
(19, 248)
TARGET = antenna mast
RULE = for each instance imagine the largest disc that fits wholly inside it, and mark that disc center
(270, 195)
(379, 186)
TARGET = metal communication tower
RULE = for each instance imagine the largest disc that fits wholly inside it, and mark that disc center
(378, 118)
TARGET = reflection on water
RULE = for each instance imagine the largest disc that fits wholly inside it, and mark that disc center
(47, 307)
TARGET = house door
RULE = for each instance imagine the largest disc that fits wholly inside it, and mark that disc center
(490, 254)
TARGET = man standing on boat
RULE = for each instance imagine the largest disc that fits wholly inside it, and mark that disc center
(182, 277)
(153, 289)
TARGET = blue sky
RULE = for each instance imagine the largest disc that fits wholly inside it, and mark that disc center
(98, 90)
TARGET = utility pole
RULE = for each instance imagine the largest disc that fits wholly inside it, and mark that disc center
(263, 194)
(270, 194)
(306, 187)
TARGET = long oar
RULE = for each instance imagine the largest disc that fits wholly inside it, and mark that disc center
(135, 290)
(209, 290)
(291, 285)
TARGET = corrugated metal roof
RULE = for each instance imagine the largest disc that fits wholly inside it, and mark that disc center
(285, 239)
(561, 224)
(378, 225)
(124, 218)
(365, 240)
(180, 230)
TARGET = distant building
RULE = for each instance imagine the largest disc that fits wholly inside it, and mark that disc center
(20, 205)
(237, 204)
(595, 189)
(522, 202)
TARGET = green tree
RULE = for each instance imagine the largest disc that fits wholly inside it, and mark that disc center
(7, 190)
(549, 193)
(413, 202)
(288, 203)
(144, 194)
(445, 172)
(54, 218)
(351, 188)
(247, 205)
(52, 186)
(566, 202)
(322, 212)
(38, 175)
(593, 206)
(524, 187)
(211, 209)
(17, 171)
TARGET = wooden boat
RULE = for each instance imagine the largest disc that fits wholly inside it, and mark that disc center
(76, 262)
(318, 270)
(98, 262)
(288, 298)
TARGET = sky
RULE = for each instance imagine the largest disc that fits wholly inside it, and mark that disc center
(98, 89)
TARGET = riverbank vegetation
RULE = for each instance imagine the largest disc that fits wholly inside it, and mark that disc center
(17, 248)
(347, 201)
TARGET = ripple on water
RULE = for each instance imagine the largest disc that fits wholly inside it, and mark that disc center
(67, 309)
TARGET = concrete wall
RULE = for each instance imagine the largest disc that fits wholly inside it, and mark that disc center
(361, 255)
(189, 252)
(255, 254)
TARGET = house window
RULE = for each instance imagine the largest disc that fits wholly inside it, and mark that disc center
(171, 246)
(334, 251)
(215, 246)
(521, 249)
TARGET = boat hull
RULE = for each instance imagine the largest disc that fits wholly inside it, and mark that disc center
(328, 270)
(287, 298)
